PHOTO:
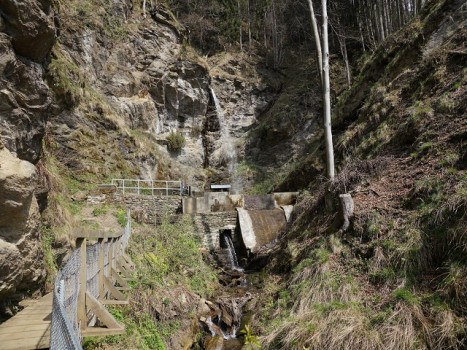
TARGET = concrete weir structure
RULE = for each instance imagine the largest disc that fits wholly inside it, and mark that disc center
(260, 227)
(259, 219)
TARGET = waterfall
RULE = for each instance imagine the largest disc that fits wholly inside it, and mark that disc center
(228, 151)
(226, 242)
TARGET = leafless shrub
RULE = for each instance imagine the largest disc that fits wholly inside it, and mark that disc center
(357, 171)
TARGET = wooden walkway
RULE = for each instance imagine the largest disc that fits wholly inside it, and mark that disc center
(30, 328)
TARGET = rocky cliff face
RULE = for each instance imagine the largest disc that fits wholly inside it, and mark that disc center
(27, 33)
(27, 36)
(148, 82)
(101, 88)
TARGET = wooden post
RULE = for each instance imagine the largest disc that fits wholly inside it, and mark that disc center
(346, 210)
(167, 188)
(101, 242)
(123, 185)
(81, 314)
(111, 253)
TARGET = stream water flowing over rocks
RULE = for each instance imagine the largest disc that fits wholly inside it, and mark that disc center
(222, 319)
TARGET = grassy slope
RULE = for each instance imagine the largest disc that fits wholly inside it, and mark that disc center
(397, 279)
(171, 277)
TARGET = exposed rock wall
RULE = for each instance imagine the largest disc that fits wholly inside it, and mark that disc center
(27, 33)
(142, 83)
(26, 37)
(153, 83)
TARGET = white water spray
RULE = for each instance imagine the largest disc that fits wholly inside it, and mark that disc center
(228, 152)
(226, 241)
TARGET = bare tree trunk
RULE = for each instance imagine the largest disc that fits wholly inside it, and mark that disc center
(346, 61)
(327, 96)
(361, 34)
(249, 24)
(144, 8)
(343, 46)
(240, 24)
(319, 54)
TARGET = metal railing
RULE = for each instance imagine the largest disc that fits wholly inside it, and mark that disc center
(94, 276)
(151, 187)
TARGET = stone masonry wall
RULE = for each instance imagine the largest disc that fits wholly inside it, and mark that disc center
(208, 226)
(149, 209)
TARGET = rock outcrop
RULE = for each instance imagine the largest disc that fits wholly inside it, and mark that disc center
(27, 33)
(24, 100)
(21, 266)
(30, 25)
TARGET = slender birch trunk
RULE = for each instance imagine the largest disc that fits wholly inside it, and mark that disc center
(327, 96)
(319, 53)
(240, 24)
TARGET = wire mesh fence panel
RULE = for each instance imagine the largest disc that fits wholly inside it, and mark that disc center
(64, 331)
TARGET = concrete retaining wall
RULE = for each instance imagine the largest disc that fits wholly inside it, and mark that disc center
(222, 201)
(260, 227)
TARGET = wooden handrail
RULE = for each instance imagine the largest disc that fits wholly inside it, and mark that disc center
(89, 233)
(114, 268)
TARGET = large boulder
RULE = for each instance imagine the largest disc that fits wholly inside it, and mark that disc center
(21, 257)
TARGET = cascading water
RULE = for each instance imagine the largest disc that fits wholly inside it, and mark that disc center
(228, 148)
(227, 244)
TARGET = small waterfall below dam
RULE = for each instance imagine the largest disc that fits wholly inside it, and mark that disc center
(228, 152)
(227, 245)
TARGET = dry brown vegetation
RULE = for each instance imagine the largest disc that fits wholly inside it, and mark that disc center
(396, 279)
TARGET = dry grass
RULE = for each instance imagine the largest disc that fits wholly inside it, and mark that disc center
(455, 283)
(345, 328)
(350, 326)
(447, 330)
(406, 328)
